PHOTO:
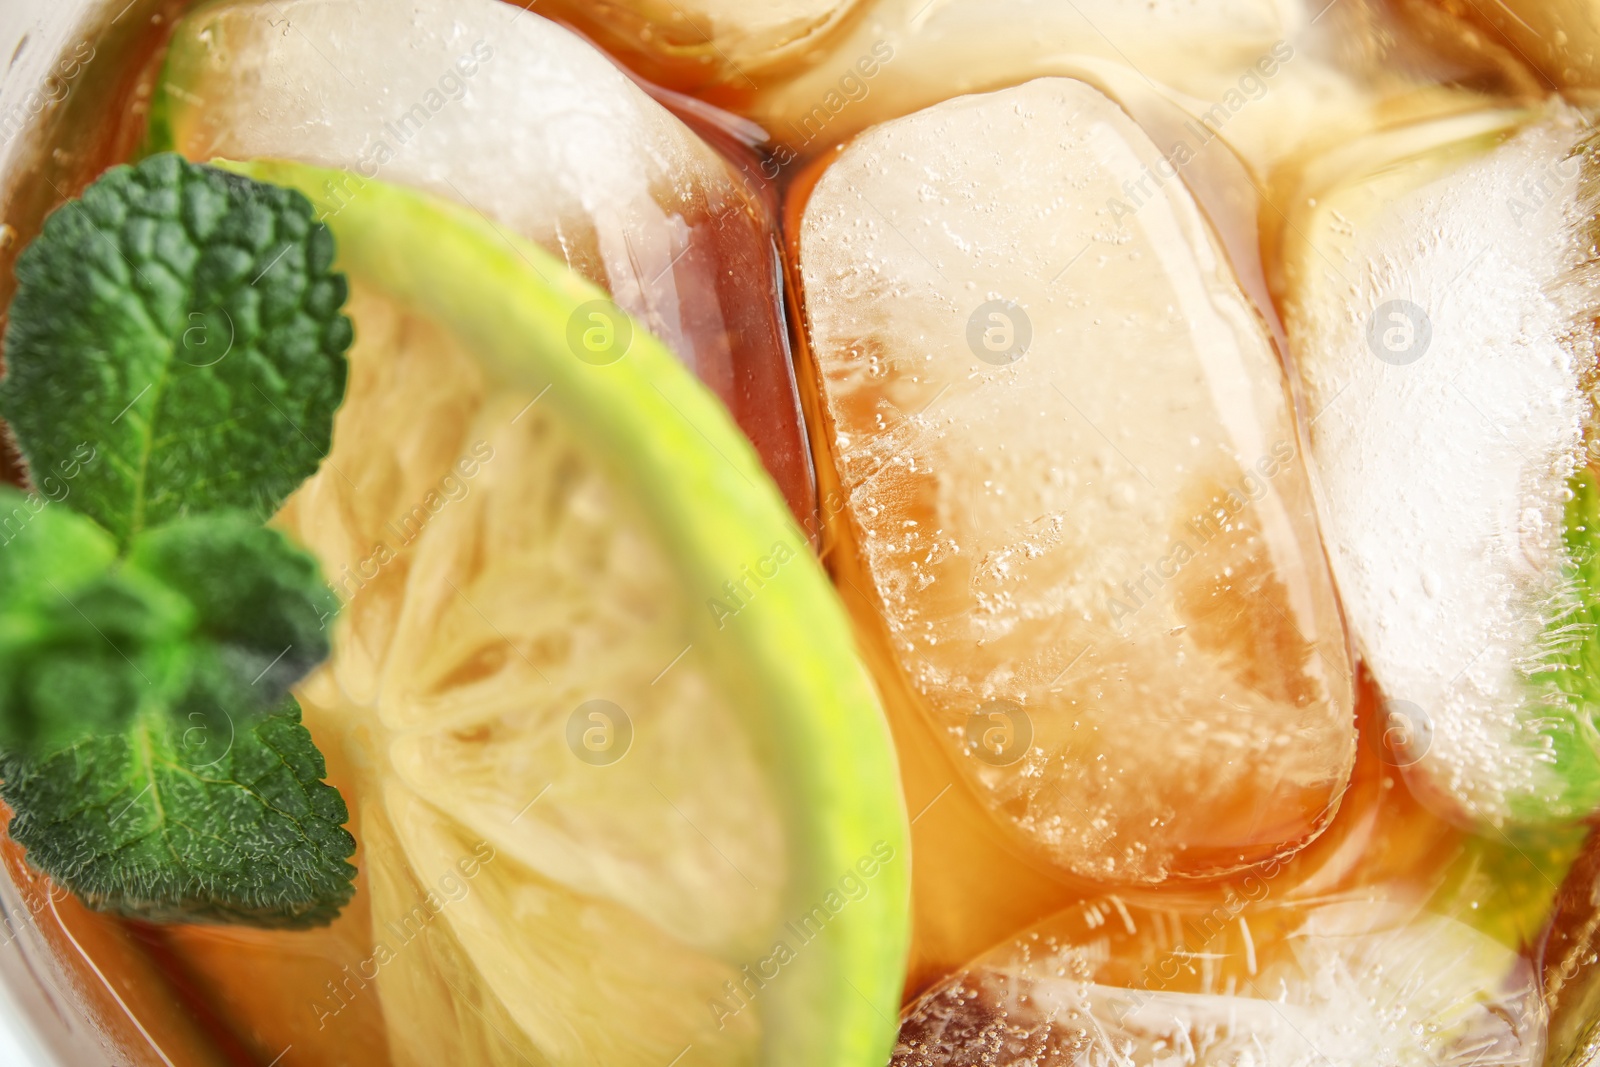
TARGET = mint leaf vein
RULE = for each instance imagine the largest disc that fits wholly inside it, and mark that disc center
(153, 825)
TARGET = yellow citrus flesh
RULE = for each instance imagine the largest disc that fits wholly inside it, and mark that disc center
(713, 870)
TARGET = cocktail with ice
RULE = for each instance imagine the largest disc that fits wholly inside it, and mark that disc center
(818, 534)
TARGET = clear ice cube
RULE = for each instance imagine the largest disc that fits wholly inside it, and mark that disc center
(524, 122)
(1064, 441)
(1265, 76)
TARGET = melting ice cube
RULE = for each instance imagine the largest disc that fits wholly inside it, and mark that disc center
(1266, 76)
(1064, 441)
(1350, 983)
(1441, 329)
(703, 44)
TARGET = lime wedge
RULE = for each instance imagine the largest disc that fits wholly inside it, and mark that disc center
(624, 790)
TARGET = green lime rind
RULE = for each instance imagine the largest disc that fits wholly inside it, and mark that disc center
(1570, 680)
(674, 446)
(1504, 884)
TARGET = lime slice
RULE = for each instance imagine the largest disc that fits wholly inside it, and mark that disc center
(623, 788)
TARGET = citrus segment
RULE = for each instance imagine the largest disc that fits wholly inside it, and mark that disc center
(482, 692)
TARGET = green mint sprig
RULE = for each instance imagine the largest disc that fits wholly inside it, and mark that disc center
(187, 322)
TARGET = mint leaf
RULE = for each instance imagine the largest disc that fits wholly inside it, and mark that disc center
(80, 641)
(185, 320)
(38, 538)
(173, 823)
(257, 597)
(208, 620)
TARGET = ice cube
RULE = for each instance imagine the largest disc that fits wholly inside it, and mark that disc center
(1561, 38)
(1064, 442)
(1385, 841)
(1352, 983)
(917, 52)
(704, 44)
(1276, 73)
(1267, 77)
(522, 121)
(1441, 334)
